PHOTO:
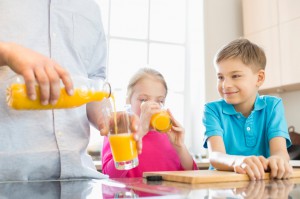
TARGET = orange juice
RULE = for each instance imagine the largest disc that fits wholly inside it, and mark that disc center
(161, 121)
(121, 140)
(123, 147)
(17, 98)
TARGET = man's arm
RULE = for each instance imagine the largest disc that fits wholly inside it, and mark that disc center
(3, 53)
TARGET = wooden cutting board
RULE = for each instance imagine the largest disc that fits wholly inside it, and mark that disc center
(207, 176)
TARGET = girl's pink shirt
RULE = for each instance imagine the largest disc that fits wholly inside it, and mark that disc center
(157, 154)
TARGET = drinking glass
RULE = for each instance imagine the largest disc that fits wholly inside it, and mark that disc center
(161, 121)
(122, 142)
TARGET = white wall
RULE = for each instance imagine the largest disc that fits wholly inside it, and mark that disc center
(223, 23)
(195, 86)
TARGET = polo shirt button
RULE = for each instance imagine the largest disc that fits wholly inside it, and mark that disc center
(238, 117)
(248, 128)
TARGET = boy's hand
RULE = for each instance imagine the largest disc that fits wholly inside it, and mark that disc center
(280, 168)
(261, 189)
(254, 190)
(253, 166)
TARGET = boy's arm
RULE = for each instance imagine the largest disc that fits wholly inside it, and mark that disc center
(253, 166)
(217, 154)
(279, 159)
(278, 141)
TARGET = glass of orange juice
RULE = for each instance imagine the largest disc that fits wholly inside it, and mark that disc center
(122, 143)
(161, 121)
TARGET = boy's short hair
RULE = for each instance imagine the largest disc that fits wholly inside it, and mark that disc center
(246, 51)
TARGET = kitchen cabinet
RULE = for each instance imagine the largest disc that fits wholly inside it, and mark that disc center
(290, 53)
(268, 40)
(275, 26)
(259, 15)
(288, 10)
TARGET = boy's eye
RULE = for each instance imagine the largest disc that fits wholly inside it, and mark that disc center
(220, 78)
(236, 76)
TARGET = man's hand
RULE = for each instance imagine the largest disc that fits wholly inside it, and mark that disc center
(36, 69)
(106, 122)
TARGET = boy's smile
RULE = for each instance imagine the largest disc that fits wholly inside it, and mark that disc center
(238, 84)
(228, 93)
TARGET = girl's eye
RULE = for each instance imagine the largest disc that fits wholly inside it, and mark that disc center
(160, 101)
(143, 100)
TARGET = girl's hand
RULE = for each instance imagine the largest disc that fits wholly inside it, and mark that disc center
(147, 110)
(176, 133)
(253, 166)
(280, 168)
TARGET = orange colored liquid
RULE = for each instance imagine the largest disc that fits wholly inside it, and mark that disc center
(18, 99)
(123, 147)
(161, 121)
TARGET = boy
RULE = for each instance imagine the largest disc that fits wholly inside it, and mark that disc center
(245, 132)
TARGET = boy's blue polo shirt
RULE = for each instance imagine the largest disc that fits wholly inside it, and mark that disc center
(246, 136)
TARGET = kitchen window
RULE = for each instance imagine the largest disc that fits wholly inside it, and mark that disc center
(160, 34)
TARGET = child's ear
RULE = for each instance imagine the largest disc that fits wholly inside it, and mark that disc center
(260, 77)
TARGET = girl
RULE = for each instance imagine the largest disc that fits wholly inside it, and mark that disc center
(146, 92)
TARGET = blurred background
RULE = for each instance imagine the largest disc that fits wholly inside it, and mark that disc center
(180, 37)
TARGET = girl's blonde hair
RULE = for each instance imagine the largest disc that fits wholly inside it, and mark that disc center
(144, 73)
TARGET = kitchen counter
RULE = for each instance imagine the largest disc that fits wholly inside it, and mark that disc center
(201, 164)
(140, 187)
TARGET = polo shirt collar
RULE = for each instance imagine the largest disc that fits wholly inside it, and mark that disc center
(258, 105)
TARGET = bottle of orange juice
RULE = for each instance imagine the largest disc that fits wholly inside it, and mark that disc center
(85, 91)
(161, 121)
